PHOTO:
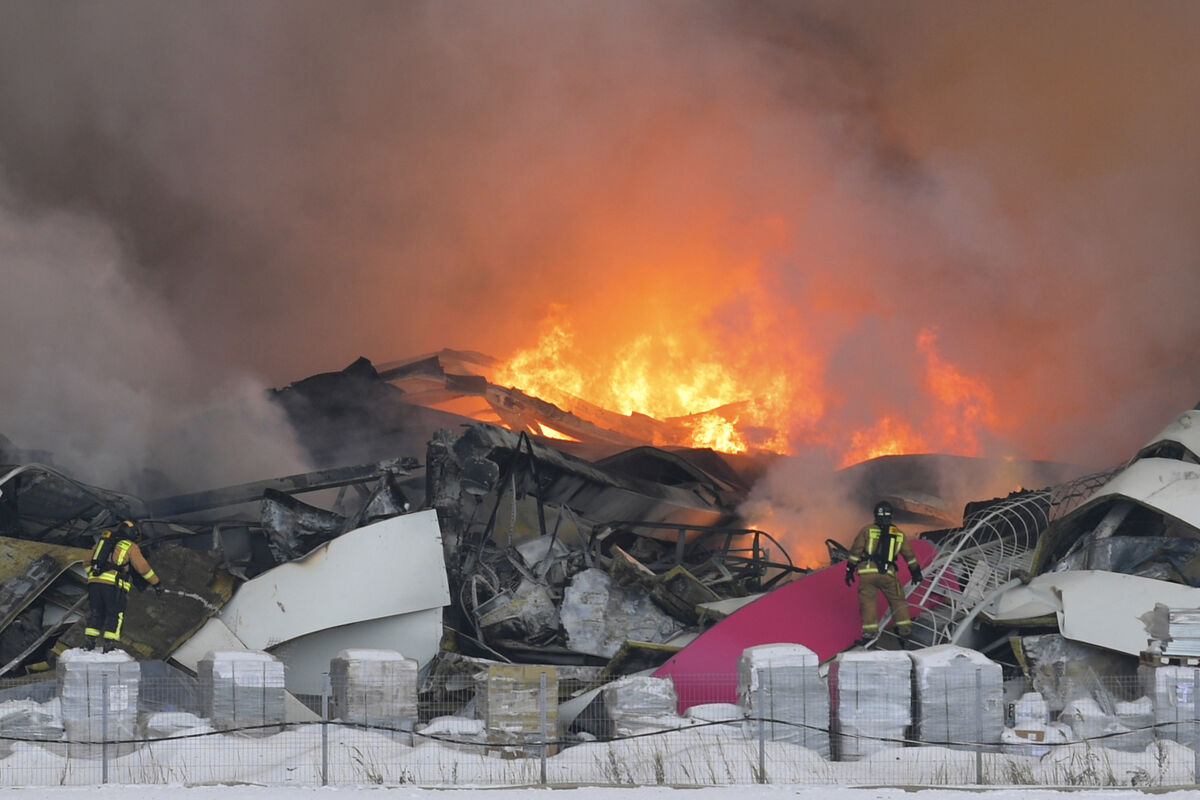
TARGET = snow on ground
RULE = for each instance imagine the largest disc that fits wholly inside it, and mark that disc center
(291, 760)
(45, 749)
(112, 792)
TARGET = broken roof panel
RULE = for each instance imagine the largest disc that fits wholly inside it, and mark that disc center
(1150, 497)
(1179, 440)
(39, 502)
(1105, 609)
(339, 583)
(252, 492)
(445, 379)
(307, 610)
(27, 569)
(600, 494)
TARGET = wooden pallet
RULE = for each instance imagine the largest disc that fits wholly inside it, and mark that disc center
(1168, 660)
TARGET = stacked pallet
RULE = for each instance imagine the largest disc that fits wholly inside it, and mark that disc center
(1175, 634)
(780, 684)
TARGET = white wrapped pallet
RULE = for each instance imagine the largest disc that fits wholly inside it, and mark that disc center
(30, 720)
(1172, 690)
(373, 687)
(1107, 728)
(871, 701)
(781, 683)
(99, 695)
(640, 702)
(241, 689)
(958, 697)
(1031, 712)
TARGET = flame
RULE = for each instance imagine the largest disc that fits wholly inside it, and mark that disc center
(961, 406)
(660, 377)
(715, 431)
(758, 404)
(966, 403)
(887, 437)
(551, 433)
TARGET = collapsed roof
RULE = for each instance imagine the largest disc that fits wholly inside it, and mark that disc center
(486, 489)
(1144, 520)
(600, 550)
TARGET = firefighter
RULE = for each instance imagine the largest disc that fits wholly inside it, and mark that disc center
(873, 555)
(110, 572)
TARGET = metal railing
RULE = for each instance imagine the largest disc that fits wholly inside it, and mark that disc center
(991, 552)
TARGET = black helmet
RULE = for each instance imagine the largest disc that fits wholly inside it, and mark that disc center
(883, 511)
(129, 530)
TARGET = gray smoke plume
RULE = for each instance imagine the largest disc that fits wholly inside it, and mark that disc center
(96, 373)
(272, 189)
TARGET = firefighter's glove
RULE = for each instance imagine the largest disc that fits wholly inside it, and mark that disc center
(158, 589)
(849, 572)
(915, 569)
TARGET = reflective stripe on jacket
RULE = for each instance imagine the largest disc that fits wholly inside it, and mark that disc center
(126, 556)
(882, 547)
(120, 557)
(870, 538)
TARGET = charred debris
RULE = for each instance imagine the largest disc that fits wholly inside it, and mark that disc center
(561, 537)
(548, 555)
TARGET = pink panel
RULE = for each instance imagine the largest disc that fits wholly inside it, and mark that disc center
(817, 610)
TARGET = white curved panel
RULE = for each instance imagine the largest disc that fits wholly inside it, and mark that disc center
(1168, 486)
(417, 635)
(1184, 429)
(1106, 609)
(385, 569)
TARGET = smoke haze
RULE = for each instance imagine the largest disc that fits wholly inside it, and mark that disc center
(227, 194)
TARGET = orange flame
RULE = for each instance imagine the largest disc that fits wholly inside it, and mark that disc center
(715, 431)
(961, 406)
(887, 437)
(966, 403)
(735, 408)
(551, 433)
(657, 377)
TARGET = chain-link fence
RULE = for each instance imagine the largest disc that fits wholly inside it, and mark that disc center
(867, 722)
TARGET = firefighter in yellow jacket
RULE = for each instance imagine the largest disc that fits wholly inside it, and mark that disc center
(873, 555)
(110, 576)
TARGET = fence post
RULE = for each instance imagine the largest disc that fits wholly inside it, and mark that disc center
(542, 710)
(104, 728)
(1195, 726)
(762, 728)
(325, 730)
(978, 725)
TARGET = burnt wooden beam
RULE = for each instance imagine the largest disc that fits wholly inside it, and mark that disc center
(291, 484)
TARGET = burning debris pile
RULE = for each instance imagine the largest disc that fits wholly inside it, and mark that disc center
(538, 554)
(530, 534)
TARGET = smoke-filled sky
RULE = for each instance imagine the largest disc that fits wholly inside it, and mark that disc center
(201, 198)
